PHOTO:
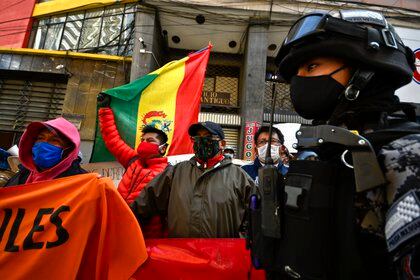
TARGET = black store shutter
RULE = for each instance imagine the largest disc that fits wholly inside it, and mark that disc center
(26, 100)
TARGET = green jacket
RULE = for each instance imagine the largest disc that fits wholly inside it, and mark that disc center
(198, 203)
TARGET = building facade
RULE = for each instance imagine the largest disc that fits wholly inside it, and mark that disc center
(55, 56)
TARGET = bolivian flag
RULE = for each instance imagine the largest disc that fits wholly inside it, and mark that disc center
(168, 99)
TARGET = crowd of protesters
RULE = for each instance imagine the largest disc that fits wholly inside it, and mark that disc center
(206, 196)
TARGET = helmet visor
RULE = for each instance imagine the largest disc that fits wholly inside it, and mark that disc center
(304, 26)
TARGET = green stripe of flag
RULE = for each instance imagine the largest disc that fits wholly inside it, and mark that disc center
(124, 103)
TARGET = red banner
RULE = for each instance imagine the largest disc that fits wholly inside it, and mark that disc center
(191, 259)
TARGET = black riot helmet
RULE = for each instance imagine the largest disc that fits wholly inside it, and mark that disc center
(363, 38)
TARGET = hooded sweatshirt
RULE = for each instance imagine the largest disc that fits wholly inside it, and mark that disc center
(28, 140)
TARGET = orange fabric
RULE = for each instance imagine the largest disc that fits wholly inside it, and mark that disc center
(76, 227)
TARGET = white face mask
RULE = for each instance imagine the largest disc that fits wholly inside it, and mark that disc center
(275, 155)
(228, 155)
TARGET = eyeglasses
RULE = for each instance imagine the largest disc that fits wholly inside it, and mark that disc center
(265, 141)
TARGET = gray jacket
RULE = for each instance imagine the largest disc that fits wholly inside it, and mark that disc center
(198, 203)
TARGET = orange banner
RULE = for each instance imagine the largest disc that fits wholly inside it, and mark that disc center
(76, 227)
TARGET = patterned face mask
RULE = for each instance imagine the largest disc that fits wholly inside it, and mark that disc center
(205, 148)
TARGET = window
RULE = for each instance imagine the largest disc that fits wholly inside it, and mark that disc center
(71, 33)
(108, 30)
(221, 86)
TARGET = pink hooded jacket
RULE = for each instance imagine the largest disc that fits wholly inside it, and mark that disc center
(28, 140)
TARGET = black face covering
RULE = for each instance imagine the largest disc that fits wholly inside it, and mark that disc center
(205, 148)
(315, 97)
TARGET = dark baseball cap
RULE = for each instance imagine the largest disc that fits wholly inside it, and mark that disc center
(213, 128)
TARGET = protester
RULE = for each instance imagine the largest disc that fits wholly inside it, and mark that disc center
(203, 197)
(229, 152)
(141, 165)
(344, 69)
(261, 138)
(48, 150)
(76, 220)
(285, 156)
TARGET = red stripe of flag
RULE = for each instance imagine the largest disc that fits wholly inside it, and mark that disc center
(188, 101)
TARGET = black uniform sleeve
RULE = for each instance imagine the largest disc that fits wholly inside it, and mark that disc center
(402, 230)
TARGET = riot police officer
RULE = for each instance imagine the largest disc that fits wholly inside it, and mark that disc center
(337, 223)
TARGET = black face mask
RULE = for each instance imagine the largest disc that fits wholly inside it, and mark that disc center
(205, 148)
(315, 97)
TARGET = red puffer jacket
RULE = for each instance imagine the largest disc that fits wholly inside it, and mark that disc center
(138, 172)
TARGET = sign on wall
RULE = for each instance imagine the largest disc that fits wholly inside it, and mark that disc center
(220, 91)
(250, 129)
(215, 98)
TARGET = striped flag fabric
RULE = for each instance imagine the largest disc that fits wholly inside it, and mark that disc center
(167, 98)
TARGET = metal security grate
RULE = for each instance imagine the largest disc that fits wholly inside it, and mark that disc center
(284, 111)
(221, 86)
(286, 117)
(283, 101)
(223, 119)
(24, 101)
(232, 138)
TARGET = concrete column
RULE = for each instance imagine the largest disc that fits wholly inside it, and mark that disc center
(253, 77)
(145, 49)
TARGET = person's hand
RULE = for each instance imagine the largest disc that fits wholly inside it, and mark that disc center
(285, 155)
(103, 100)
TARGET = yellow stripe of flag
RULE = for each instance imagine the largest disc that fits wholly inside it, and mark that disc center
(160, 96)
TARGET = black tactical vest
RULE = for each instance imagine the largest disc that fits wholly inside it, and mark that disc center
(319, 233)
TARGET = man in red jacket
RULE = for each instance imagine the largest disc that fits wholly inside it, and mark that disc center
(141, 165)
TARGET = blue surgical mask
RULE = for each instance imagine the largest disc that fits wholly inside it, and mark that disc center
(46, 155)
